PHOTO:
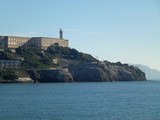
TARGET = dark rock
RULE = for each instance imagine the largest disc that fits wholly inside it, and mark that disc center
(79, 71)
(100, 72)
(55, 75)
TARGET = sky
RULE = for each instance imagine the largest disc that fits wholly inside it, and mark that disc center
(115, 30)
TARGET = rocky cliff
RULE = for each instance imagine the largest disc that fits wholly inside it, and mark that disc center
(102, 71)
(58, 64)
(151, 74)
(54, 75)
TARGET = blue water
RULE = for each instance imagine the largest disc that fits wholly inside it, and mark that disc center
(81, 101)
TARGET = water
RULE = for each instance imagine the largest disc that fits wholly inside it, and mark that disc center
(81, 101)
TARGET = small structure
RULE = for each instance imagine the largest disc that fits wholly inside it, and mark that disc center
(12, 64)
(55, 61)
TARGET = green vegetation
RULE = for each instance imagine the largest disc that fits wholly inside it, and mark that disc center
(69, 53)
(34, 60)
(41, 59)
(8, 75)
(7, 55)
(111, 63)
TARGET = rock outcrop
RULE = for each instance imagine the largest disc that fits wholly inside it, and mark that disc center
(101, 72)
(78, 71)
(151, 74)
(53, 75)
(63, 64)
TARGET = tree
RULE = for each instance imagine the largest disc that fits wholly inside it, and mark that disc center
(9, 75)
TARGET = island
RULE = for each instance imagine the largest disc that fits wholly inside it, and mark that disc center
(46, 59)
(61, 64)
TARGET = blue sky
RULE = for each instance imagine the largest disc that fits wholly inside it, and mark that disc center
(114, 30)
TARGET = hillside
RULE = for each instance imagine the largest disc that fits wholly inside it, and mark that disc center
(59, 64)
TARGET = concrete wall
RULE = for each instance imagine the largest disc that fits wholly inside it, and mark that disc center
(12, 42)
(44, 42)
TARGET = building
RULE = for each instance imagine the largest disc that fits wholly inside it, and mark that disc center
(44, 42)
(12, 42)
(12, 64)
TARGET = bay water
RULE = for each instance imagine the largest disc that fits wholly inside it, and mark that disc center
(81, 101)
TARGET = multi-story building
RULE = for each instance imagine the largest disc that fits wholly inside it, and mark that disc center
(44, 42)
(12, 42)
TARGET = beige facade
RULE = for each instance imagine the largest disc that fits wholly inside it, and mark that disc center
(12, 42)
(44, 42)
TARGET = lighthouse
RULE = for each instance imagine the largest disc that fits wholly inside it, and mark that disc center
(60, 34)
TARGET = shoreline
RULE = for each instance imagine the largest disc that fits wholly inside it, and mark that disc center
(19, 80)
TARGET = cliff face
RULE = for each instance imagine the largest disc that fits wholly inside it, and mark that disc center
(55, 76)
(81, 67)
(100, 72)
(80, 71)
(126, 73)
(151, 74)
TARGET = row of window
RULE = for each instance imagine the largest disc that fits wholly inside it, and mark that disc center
(13, 46)
(17, 40)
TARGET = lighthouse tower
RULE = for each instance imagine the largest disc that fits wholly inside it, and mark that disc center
(60, 34)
